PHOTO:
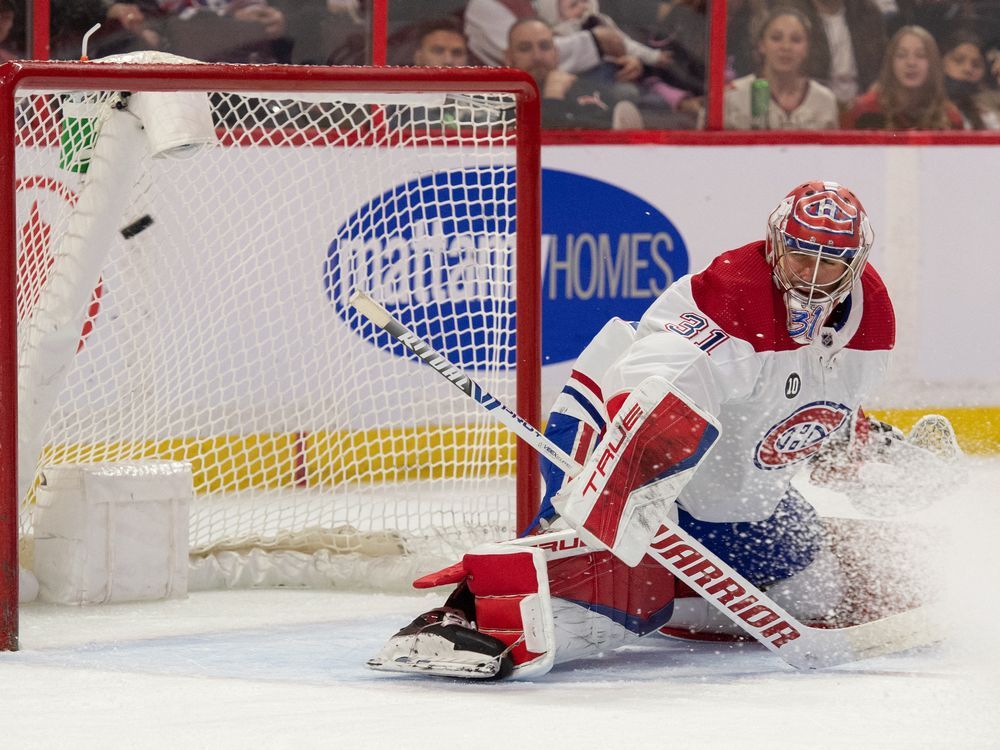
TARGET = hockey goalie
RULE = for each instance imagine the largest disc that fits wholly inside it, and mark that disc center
(700, 414)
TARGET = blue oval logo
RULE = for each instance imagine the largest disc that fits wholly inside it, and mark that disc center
(606, 252)
(438, 253)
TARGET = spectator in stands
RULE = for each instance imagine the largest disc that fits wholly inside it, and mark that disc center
(569, 17)
(890, 14)
(220, 30)
(124, 28)
(307, 30)
(982, 16)
(568, 101)
(682, 32)
(846, 42)
(349, 34)
(965, 81)
(910, 91)
(441, 44)
(637, 18)
(8, 48)
(488, 23)
(130, 17)
(796, 101)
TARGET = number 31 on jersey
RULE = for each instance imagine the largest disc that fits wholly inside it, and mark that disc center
(693, 326)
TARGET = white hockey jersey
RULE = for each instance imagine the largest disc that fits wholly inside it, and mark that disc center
(720, 338)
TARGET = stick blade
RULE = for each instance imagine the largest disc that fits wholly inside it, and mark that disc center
(922, 626)
(823, 647)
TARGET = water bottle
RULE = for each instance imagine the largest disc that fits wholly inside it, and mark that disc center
(760, 103)
(77, 132)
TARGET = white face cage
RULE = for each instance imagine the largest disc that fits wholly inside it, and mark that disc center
(813, 278)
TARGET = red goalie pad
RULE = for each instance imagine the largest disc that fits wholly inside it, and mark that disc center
(510, 584)
(640, 598)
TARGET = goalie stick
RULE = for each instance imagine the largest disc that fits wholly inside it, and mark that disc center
(800, 645)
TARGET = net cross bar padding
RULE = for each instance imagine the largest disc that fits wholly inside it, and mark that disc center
(187, 240)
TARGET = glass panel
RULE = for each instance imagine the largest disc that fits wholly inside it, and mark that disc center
(12, 30)
(636, 63)
(429, 32)
(262, 31)
(329, 32)
(819, 65)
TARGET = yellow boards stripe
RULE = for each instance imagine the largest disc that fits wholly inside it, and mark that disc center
(317, 459)
(328, 457)
(977, 427)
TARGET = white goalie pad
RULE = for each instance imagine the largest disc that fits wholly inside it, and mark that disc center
(628, 485)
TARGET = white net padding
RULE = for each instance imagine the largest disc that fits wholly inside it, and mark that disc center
(187, 300)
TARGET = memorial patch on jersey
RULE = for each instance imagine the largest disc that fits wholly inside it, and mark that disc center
(799, 435)
(793, 385)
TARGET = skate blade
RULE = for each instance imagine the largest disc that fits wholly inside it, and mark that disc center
(486, 670)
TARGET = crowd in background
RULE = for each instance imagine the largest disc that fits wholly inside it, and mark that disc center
(803, 64)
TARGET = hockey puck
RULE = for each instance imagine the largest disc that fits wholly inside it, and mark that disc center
(139, 225)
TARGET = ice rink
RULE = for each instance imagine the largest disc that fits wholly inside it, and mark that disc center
(286, 669)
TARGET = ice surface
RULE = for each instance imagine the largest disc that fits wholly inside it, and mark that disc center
(285, 669)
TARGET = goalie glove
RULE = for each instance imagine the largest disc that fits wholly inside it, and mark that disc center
(884, 472)
(861, 439)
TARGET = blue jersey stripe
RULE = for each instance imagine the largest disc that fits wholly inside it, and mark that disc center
(586, 405)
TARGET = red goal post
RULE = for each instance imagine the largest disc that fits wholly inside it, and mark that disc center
(370, 121)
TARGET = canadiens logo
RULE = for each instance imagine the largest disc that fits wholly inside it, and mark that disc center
(800, 435)
(826, 212)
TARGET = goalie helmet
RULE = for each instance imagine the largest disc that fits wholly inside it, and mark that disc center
(817, 244)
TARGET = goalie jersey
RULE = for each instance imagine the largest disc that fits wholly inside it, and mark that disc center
(720, 338)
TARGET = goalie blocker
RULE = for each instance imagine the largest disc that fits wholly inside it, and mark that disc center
(628, 485)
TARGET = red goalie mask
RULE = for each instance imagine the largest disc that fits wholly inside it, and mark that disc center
(818, 240)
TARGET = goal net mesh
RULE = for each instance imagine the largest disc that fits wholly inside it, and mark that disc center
(189, 300)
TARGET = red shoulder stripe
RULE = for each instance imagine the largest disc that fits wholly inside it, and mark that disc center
(588, 383)
(878, 323)
(738, 293)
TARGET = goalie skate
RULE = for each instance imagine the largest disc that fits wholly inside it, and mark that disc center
(442, 642)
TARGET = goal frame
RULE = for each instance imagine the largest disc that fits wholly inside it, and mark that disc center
(56, 76)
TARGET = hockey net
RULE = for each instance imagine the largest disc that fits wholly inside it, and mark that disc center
(188, 238)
